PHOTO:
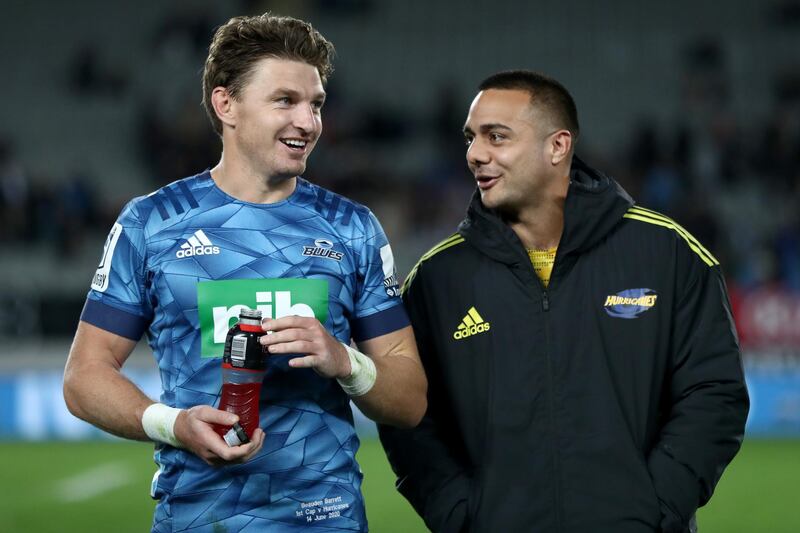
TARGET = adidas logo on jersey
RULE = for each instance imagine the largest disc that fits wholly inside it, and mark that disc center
(197, 244)
(471, 324)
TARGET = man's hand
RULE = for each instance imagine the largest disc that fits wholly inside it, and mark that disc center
(194, 427)
(306, 336)
(398, 396)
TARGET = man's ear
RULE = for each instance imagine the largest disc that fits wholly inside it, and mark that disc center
(223, 104)
(560, 146)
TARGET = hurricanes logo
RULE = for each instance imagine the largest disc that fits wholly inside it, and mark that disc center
(471, 324)
(630, 303)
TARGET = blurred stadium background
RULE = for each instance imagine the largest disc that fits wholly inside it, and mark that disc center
(694, 106)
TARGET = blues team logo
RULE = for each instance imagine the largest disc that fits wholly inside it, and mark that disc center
(630, 303)
(323, 248)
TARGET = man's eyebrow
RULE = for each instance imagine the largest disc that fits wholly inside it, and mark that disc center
(285, 90)
(296, 94)
(487, 127)
(494, 126)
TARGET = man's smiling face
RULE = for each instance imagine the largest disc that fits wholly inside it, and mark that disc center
(278, 117)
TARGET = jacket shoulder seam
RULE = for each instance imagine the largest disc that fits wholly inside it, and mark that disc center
(652, 217)
(449, 242)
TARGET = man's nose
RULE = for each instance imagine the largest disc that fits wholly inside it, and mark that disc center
(306, 118)
(477, 154)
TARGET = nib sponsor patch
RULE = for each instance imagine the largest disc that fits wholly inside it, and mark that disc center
(630, 303)
(220, 302)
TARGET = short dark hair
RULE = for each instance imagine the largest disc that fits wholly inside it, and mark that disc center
(546, 94)
(242, 41)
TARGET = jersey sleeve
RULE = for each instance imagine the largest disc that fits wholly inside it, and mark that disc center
(117, 298)
(378, 308)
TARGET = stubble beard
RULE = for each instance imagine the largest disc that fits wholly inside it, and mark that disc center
(281, 168)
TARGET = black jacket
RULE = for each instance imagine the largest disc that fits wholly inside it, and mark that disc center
(610, 402)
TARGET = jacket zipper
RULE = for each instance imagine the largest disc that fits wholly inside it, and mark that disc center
(550, 413)
(550, 394)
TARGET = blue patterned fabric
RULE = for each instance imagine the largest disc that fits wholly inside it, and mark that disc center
(190, 232)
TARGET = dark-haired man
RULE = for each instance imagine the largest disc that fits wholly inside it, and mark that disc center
(182, 262)
(583, 366)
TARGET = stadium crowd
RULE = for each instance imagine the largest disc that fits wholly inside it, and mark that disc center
(732, 181)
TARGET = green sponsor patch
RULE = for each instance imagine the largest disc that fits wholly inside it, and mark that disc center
(220, 302)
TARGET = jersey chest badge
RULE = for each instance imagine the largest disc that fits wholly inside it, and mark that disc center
(323, 248)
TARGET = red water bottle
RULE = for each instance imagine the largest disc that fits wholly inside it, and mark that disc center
(244, 364)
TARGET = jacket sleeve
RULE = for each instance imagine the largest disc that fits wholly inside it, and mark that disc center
(705, 397)
(428, 460)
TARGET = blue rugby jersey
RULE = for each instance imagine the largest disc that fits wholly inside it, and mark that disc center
(180, 264)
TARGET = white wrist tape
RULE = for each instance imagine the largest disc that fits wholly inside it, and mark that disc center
(362, 376)
(158, 421)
